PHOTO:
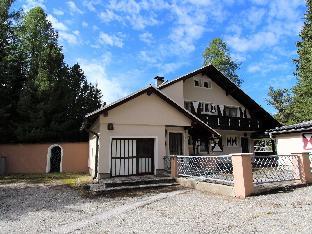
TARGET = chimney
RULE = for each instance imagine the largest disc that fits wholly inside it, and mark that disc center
(159, 80)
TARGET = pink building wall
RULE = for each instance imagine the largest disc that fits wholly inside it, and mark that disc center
(32, 158)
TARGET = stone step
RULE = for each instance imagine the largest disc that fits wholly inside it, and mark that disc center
(102, 188)
(138, 182)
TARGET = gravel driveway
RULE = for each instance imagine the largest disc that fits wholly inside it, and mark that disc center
(31, 208)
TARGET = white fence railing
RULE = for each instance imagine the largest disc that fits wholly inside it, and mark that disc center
(275, 168)
(217, 169)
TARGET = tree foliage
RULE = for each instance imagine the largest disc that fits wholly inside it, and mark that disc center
(294, 105)
(42, 98)
(217, 54)
(302, 99)
(281, 99)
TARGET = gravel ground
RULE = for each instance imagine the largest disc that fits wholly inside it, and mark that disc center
(31, 208)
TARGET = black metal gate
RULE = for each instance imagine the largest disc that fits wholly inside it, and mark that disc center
(132, 156)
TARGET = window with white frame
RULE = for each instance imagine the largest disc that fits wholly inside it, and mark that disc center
(209, 108)
(230, 111)
(202, 82)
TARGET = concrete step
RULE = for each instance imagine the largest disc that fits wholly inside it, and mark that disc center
(137, 182)
(102, 188)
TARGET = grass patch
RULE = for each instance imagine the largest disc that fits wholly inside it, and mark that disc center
(70, 179)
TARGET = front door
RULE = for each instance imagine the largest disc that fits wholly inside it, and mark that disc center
(132, 156)
(175, 143)
(245, 145)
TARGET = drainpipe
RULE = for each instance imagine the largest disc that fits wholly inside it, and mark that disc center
(96, 152)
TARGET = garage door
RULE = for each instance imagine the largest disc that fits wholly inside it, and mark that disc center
(132, 156)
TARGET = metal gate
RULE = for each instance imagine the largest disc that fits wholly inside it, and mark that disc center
(132, 156)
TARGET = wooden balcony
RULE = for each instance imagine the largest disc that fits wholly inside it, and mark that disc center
(231, 123)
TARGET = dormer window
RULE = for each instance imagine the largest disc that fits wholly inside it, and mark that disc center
(202, 82)
(207, 84)
(196, 83)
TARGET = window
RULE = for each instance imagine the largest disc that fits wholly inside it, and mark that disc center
(207, 109)
(232, 141)
(203, 147)
(207, 84)
(188, 106)
(196, 83)
(203, 83)
(230, 111)
(175, 143)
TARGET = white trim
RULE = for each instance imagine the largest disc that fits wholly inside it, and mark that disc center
(48, 165)
(130, 137)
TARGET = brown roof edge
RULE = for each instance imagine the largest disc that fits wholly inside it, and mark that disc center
(152, 89)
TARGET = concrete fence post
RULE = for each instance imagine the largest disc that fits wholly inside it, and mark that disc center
(304, 167)
(174, 169)
(242, 172)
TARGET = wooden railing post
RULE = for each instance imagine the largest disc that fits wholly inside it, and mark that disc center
(174, 169)
(242, 172)
(304, 167)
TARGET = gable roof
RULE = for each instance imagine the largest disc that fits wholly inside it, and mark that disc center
(300, 127)
(231, 89)
(151, 90)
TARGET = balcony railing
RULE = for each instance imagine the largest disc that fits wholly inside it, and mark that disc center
(231, 123)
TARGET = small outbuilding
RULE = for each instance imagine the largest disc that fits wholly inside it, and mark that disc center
(294, 138)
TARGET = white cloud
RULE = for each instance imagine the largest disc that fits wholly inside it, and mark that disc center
(111, 40)
(96, 72)
(76, 32)
(267, 67)
(146, 37)
(84, 24)
(254, 42)
(148, 57)
(59, 26)
(138, 15)
(63, 30)
(91, 4)
(267, 25)
(69, 37)
(29, 4)
(108, 16)
(58, 12)
(73, 8)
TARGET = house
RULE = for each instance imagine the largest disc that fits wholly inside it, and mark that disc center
(200, 113)
(294, 138)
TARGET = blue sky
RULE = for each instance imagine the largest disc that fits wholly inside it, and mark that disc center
(123, 45)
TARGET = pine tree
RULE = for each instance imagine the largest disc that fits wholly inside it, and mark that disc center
(302, 99)
(42, 98)
(11, 73)
(217, 54)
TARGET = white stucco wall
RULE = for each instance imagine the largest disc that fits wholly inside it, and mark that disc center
(290, 143)
(175, 92)
(239, 134)
(92, 146)
(215, 95)
(144, 117)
